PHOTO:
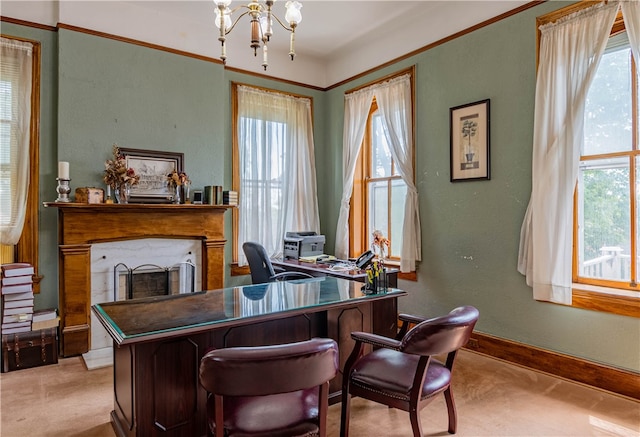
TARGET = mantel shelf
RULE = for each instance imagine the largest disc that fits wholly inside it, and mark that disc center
(103, 207)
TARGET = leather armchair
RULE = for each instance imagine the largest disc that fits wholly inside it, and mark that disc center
(402, 372)
(270, 390)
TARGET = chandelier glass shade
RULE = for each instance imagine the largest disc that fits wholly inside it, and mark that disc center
(261, 20)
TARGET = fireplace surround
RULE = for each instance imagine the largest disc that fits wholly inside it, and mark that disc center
(81, 225)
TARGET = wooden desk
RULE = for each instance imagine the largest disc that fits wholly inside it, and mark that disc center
(158, 342)
(320, 269)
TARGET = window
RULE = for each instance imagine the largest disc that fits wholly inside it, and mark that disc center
(584, 162)
(274, 168)
(19, 146)
(379, 191)
(608, 192)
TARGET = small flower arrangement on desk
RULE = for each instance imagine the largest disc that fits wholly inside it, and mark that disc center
(376, 272)
(176, 180)
(118, 176)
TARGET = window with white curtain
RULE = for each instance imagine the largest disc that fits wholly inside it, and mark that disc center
(578, 241)
(274, 168)
(18, 142)
(379, 191)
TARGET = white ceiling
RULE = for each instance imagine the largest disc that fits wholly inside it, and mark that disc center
(336, 40)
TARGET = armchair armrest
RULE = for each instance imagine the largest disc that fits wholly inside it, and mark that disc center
(411, 318)
(376, 340)
(407, 320)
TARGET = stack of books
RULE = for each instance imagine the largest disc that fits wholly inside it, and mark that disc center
(17, 297)
(229, 197)
(43, 319)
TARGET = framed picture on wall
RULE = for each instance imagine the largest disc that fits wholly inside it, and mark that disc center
(469, 137)
(153, 168)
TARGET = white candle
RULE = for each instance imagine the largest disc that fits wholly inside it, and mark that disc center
(63, 170)
(108, 190)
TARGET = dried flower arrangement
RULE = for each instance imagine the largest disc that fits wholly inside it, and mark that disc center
(178, 178)
(379, 243)
(116, 173)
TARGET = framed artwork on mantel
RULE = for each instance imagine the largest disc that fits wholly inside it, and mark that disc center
(153, 167)
(469, 136)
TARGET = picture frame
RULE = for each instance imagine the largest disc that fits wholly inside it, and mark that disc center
(153, 167)
(469, 141)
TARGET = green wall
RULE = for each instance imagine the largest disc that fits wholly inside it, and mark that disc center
(115, 92)
(471, 230)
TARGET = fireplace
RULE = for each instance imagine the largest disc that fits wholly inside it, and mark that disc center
(150, 280)
(82, 226)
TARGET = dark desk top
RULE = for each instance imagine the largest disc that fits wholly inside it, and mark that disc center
(139, 320)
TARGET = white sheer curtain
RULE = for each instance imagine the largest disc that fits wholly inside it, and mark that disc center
(277, 168)
(570, 51)
(394, 103)
(356, 111)
(631, 15)
(15, 124)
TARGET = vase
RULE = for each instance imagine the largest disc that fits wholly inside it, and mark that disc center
(177, 195)
(121, 193)
(186, 193)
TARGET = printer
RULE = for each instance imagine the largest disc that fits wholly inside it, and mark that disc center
(308, 243)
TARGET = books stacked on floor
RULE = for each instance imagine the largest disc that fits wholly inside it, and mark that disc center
(229, 197)
(43, 319)
(16, 285)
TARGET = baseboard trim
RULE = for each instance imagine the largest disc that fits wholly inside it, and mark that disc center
(619, 381)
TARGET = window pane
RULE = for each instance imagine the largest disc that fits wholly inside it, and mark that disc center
(608, 111)
(380, 152)
(604, 219)
(378, 207)
(398, 194)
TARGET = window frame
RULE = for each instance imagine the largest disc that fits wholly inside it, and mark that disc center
(237, 270)
(590, 296)
(27, 249)
(359, 237)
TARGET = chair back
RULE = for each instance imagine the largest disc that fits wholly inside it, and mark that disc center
(441, 335)
(270, 390)
(259, 263)
(264, 370)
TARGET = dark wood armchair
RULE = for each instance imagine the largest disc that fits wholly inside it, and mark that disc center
(403, 373)
(279, 390)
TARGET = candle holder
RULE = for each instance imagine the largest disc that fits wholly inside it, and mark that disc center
(63, 190)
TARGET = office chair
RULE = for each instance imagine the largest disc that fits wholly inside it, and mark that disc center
(261, 268)
(402, 373)
(280, 390)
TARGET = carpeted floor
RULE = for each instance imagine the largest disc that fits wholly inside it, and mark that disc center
(493, 398)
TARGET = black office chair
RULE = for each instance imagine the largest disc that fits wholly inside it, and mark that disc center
(261, 268)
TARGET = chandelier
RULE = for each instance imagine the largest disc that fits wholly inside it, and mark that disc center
(261, 24)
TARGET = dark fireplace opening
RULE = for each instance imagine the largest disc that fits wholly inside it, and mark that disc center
(149, 280)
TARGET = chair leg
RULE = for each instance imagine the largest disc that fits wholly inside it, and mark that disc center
(345, 412)
(414, 416)
(451, 409)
